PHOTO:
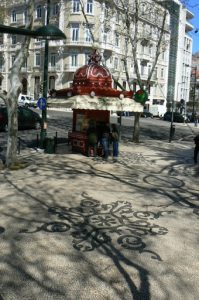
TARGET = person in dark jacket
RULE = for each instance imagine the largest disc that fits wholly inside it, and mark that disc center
(196, 149)
(115, 141)
(105, 136)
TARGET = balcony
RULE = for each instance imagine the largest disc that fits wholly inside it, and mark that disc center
(106, 46)
(188, 27)
(15, 47)
(2, 69)
(39, 44)
(26, 69)
(144, 58)
(38, 22)
(55, 43)
(80, 42)
(54, 20)
(2, 48)
(54, 68)
(69, 68)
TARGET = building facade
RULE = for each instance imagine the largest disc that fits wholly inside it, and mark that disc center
(170, 76)
(180, 55)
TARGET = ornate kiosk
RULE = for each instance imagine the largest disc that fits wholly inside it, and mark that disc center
(92, 98)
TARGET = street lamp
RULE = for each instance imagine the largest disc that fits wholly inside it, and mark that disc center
(172, 127)
(47, 32)
(194, 88)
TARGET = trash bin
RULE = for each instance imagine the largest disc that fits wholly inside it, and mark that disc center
(172, 131)
(50, 145)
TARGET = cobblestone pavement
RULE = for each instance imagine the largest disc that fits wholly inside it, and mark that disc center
(74, 227)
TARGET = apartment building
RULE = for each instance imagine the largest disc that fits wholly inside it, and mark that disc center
(68, 55)
(180, 54)
(194, 84)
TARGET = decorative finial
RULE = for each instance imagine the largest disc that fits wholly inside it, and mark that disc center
(94, 58)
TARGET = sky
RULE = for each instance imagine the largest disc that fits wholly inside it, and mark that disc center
(193, 6)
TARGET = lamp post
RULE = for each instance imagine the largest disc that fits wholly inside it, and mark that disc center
(194, 90)
(172, 127)
(47, 32)
(43, 132)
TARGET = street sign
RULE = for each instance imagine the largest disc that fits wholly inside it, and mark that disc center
(41, 103)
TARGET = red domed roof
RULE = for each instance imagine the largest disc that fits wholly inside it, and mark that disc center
(93, 78)
(93, 74)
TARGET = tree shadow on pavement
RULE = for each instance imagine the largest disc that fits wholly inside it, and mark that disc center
(42, 219)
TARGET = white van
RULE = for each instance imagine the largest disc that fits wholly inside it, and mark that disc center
(26, 100)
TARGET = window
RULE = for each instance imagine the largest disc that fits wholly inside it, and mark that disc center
(162, 72)
(14, 39)
(124, 84)
(75, 32)
(53, 59)
(89, 7)
(105, 36)
(87, 57)
(25, 63)
(54, 9)
(155, 74)
(150, 50)
(25, 17)
(37, 87)
(39, 12)
(87, 35)
(1, 63)
(142, 70)
(116, 39)
(76, 6)
(149, 70)
(51, 83)
(117, 17)
(106, 11)
(12, 60)
(74, 60)
(123, 65)
(37, 59)
(116, 63)
(13, 16)
(142, 8)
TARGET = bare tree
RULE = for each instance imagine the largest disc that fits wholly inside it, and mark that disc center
(139, 23)
(142, 23)
(10, 97)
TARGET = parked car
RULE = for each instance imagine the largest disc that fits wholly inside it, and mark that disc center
(27, 101)
(192, 117)
(146, 114)
(177, 117)
(27, 118)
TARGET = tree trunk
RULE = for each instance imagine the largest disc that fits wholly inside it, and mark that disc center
(11, 154)
(136, 129)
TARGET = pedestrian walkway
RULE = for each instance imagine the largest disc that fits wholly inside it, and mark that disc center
(75, 227)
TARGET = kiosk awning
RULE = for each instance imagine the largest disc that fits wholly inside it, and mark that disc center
(96, 103)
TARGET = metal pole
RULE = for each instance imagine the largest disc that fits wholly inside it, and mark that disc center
(171, 126)
(43, 133)
(194, 90)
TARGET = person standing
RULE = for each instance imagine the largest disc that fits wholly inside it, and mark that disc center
(105, 140)
(196, 149)
(115, 141)
(92, 140)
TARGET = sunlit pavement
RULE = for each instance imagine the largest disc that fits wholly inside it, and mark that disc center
(74, 227)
